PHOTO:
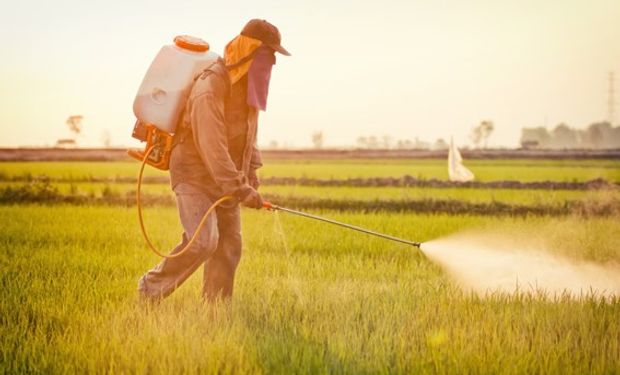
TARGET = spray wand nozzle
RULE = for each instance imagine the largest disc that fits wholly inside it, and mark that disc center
(272, 207)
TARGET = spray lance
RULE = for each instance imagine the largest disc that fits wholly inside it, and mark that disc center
(272, 207)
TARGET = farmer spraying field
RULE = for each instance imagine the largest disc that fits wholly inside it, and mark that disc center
(212, 156)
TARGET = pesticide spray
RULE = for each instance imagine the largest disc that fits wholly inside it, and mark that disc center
(495, 264)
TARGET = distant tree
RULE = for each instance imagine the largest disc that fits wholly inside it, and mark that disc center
(404, 144)
(615, 137)
(387, 142)
(75, 124)
(595, 132)
(362, 142)
(487, 129)
(598, 135)
(563, 137)
(317, 140)
(440, 144)
(373, 143)
(106, 139)
(419, 144)
(480, 134)
(476, 136)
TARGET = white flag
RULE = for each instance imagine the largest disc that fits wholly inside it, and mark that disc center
(456, 170)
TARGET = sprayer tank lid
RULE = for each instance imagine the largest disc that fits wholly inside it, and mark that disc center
(191, 43)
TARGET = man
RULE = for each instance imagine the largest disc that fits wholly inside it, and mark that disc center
(216, 155)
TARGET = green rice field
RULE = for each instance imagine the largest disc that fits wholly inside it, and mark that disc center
(309, 297)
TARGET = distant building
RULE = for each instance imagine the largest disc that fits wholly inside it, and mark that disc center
(66, 143)
(597, 136)
(535, 137)
(528, 144)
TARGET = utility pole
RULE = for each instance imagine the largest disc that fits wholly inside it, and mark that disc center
(611, 100)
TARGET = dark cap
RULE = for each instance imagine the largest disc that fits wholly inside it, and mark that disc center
(266, 33)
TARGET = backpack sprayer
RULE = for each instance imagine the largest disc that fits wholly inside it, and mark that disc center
(162, 95)
(158, 107)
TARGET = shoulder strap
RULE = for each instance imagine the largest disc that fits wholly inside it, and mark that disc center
(208, 70)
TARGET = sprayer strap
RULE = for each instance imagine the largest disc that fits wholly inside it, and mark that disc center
(206, 71)
(180, 136)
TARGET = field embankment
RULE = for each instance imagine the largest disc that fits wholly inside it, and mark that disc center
(120, 154)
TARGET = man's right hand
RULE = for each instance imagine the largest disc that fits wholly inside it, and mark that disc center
(251, 198)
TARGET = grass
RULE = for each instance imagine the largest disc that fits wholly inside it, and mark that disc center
(485, 170)
(310, 298)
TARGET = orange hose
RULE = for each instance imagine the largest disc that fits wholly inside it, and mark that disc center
(198, 229)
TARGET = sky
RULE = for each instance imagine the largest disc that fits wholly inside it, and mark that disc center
(403, 69)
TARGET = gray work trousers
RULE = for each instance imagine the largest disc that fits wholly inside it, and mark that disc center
(218, 247)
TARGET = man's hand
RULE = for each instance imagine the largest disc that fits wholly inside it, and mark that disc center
(253, 179)
(253, 200)
(249, 197)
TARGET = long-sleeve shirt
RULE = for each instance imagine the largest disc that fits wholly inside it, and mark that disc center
(216, 148)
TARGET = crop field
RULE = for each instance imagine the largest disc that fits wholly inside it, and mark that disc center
(485, 170)
(309, 297)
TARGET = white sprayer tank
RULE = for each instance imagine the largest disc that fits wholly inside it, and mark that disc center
(166, 85)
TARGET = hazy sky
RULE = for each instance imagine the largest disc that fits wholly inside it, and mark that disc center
(406, 69)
